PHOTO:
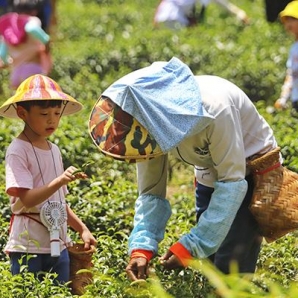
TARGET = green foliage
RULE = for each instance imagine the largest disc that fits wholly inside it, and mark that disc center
(96, 43)
(285, 125)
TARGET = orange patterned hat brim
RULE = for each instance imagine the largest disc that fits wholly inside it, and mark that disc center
(39, 87)
(120, 136)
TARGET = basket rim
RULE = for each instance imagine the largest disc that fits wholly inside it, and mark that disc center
(78, 248)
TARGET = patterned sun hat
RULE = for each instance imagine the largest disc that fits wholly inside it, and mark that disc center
(119, 135)
(39, 87)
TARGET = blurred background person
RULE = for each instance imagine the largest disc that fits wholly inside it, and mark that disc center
(234, 10)
(24, 44)
(289, 18)
(176, 14)
(45, 10)
(50, 16)
(3, 7)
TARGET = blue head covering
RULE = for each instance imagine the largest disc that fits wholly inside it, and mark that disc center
(165, 98)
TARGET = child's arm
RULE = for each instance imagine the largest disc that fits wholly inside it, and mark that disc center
(75, 223)
(35, 196)
(33, 27)
(285, 91)
(4, 58)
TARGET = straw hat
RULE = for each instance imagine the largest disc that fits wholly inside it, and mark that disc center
(119, 135)
(39, 87)
(291, 10)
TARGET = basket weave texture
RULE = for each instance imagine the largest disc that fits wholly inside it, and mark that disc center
(80, 259)
(275, 198)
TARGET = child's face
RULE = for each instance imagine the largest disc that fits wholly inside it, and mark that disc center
(291, 25)
(43, 121)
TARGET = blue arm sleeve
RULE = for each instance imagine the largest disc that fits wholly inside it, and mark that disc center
(151, 216)
(3, 52)
(214, 224)
(36, 31)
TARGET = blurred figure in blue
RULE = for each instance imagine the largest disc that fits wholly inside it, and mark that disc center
(289, 18)
(3, 7)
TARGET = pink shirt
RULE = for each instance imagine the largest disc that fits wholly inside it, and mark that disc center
(22, 171)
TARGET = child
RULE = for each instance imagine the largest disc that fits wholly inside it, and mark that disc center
(35, 178)
(3, 7)
(24, 44)
(289, 18)
(176, 14)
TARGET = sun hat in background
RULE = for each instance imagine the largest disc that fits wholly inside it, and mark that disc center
(291, 10)
(39, 87)
(119, 135)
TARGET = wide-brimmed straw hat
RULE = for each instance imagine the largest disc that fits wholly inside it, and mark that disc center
(119, 135)
(39, 87)
(291, 10)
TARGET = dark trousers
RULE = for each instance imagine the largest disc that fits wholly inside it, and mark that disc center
(243, 242)
(40, 263)
(273, 8)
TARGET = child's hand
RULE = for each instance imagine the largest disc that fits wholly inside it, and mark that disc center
(79, 174)
(88, 239)
(280, 104)
(71, 174)
(5, 64)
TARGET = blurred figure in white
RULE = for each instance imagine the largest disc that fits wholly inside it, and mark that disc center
(176, 14)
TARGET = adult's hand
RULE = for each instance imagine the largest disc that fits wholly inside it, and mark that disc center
(170, 261)
(137, 268)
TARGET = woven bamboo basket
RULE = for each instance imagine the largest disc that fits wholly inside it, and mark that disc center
(80, 259)
(275, 198)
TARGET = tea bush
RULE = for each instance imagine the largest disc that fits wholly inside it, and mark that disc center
(96, 43)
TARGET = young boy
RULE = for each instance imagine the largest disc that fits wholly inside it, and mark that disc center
(289, 18)
(36, 180)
